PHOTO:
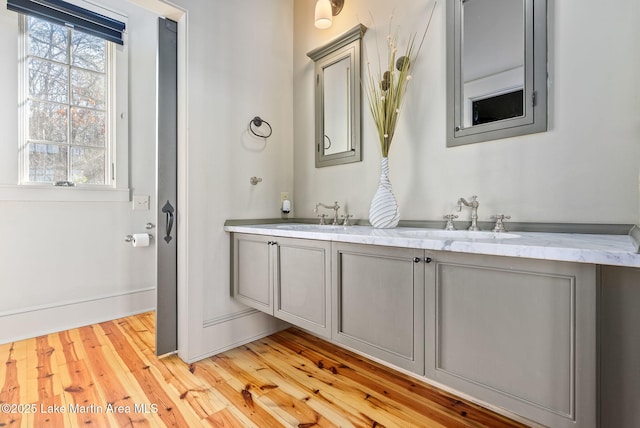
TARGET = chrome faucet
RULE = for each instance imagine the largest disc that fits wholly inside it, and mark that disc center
(335, 207)
(474, 211)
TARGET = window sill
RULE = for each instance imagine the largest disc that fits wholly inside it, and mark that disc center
(30, 193)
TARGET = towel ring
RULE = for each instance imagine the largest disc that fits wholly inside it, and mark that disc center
(257, 122)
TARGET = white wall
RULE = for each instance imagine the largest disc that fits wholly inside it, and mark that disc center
(238, 66)
(65, 264)
(584, 169)
(235, 63)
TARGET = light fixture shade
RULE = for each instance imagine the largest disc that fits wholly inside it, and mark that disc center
(323, 15)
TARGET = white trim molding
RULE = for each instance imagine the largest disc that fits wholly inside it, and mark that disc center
(40, 320)
(50, 193)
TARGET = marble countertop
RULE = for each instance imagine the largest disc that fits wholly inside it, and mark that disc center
(617, 250)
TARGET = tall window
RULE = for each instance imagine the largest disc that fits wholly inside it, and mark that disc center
(67, 75)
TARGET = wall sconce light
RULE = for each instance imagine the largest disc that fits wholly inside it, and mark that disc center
(325, 11)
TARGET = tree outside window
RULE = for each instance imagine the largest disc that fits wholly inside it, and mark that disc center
(66, 106)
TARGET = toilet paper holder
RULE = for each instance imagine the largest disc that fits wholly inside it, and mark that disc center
(129, 238)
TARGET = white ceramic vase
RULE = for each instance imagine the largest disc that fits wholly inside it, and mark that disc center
(384, 212)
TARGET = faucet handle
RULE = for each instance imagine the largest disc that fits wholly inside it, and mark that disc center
(322, 216)
(450, 225)
(501, 217)
(346, 218)
(499, 227)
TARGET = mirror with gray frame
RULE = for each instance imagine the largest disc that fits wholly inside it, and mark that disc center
(496, 69)
(338, 99)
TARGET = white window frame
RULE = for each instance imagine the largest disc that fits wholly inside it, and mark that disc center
(116, 184)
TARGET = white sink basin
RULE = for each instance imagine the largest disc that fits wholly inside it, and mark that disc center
(310, 227)
(457, 234)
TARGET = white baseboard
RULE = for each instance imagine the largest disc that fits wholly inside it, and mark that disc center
(40, 320)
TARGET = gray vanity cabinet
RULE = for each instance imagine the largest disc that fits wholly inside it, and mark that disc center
(516, 333)
(619, 347)
(285, 277)
(378, 302)
(303, 284)
(253, 271)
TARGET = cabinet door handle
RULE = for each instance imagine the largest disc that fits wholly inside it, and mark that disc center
(427, 259)
(416, 260)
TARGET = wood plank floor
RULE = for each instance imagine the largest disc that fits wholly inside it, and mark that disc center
(106, 375)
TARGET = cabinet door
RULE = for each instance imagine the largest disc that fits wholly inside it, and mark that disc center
(378, 301)
(517, 333)
(302, 287)
(253, 271)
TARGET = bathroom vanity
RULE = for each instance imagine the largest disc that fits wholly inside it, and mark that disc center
(510, 320)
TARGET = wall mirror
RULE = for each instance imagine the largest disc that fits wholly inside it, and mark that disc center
(496, 69)
(338, 99)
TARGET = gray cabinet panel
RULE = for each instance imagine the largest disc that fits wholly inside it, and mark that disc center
(487, 313)
(253, 271)
(516, 333)
(287, 278)
(302, 290)
(620, 347)
(378, 302)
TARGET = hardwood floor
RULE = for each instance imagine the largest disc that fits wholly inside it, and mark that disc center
(107, 375)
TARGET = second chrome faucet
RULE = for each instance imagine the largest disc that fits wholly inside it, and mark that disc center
(473, 204)
(335, 207)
